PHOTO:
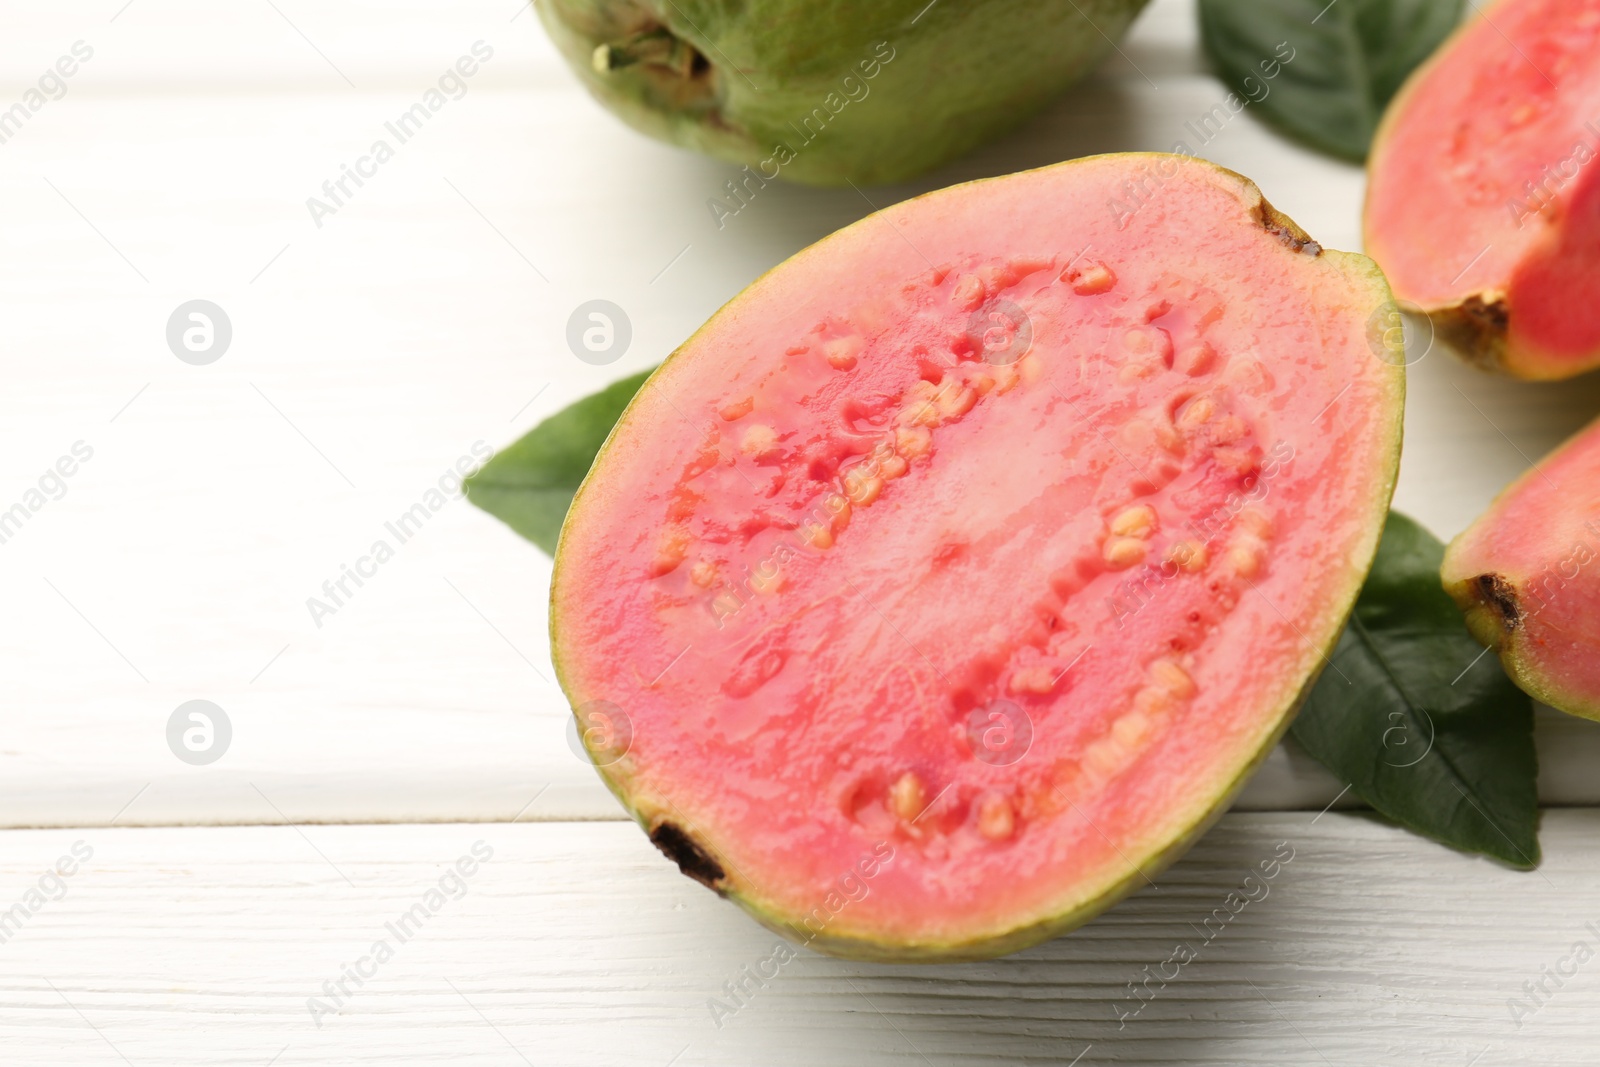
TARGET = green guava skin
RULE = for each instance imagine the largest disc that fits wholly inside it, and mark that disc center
(926, 82)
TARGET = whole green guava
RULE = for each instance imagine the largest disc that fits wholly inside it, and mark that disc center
(826, 92)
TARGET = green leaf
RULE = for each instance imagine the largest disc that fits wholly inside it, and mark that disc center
(1334, 66)
(1424, 726)
(529, 485)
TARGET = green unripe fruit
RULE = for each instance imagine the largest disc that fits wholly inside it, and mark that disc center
(827, 93)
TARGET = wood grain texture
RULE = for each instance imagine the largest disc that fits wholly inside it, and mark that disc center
(580, 944)
(371, 353)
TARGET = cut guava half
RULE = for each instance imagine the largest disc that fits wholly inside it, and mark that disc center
(951, 579)
(1483, 202)
(1527, 575)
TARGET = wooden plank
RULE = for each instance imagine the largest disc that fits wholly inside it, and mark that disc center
(579, 944)
(373, 353)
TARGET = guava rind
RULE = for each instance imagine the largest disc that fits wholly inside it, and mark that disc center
(902, 86)
(696, 847)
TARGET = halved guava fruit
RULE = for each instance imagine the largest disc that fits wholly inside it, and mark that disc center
(825, 93)
(1526, 575)
(1483, 203)
(949, 581)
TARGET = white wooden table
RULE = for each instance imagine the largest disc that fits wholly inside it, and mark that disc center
(427, 316)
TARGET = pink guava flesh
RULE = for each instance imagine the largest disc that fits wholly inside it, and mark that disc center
(1483, 206)
(948, 582)
(1527, 574)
